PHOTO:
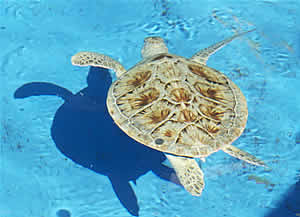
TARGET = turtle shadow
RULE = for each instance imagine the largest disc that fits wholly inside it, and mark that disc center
(289, 203)
(83, 130)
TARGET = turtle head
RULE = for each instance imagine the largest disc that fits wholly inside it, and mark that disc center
(153, 46)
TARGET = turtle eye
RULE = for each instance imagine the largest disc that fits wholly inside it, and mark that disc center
(159, 141)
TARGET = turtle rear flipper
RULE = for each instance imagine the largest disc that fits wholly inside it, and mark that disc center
(189, 173)
(242, 155)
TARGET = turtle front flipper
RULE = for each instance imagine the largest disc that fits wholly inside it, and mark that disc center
(87, 58)
(189, 173)
(203, 55)
(242, 155)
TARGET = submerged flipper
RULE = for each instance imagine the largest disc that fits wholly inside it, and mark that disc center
(189, 173)
(203, 55)
(242, 155)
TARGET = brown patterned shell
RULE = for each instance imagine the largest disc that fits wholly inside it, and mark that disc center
(178, 106)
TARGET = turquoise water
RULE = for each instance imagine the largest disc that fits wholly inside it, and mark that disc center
(48, 144)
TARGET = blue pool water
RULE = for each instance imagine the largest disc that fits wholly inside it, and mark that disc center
(61, 154)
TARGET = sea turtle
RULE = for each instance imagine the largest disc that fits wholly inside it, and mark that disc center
(176, 105)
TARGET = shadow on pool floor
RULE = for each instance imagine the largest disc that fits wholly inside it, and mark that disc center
(289, 206)
(83, 131)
